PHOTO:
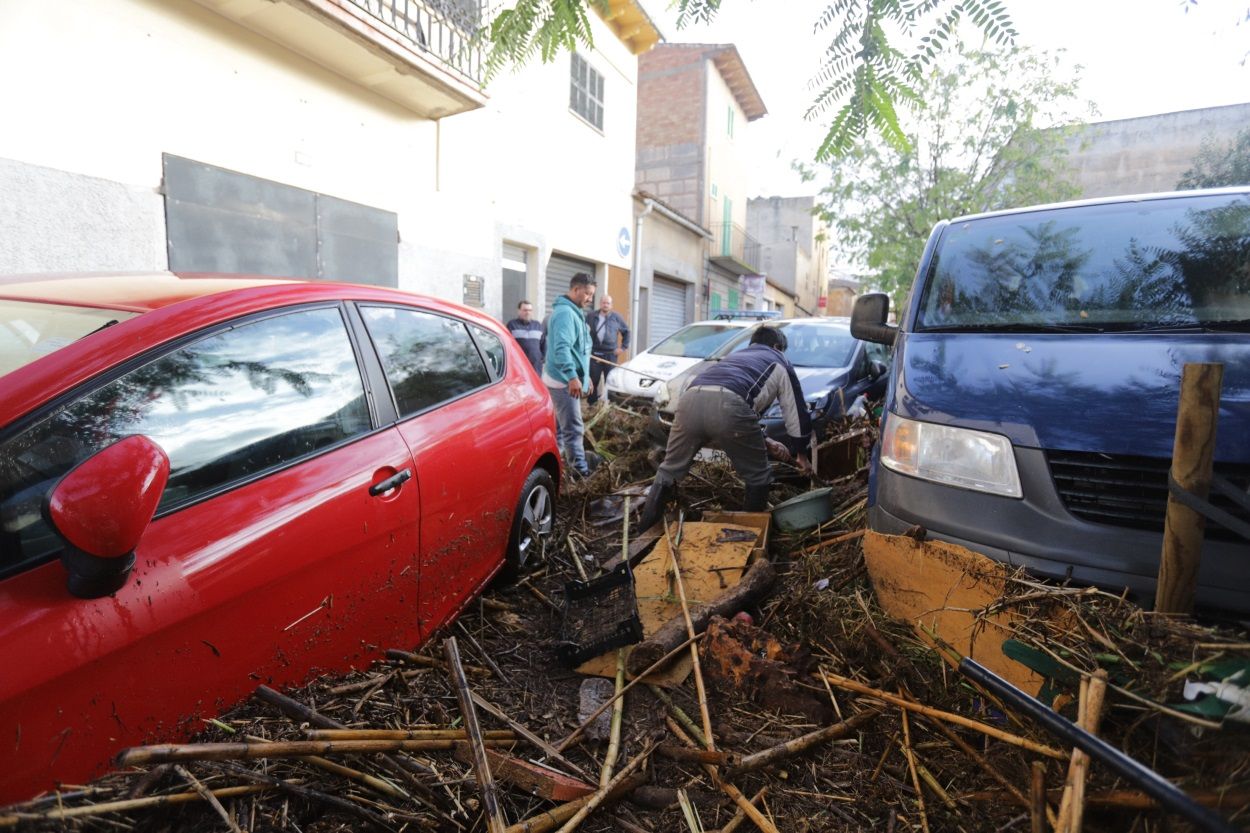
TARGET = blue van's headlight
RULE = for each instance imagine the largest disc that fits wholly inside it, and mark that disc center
(955, 456)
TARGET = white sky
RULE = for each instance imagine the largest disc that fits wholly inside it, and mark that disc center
(1140, 57)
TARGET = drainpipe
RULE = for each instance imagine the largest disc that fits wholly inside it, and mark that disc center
(635, 278)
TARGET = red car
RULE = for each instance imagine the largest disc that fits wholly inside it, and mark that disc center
(209, 483)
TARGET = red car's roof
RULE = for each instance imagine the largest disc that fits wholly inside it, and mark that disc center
(133, 292)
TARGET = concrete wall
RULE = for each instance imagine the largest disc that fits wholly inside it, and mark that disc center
(1148, 154)
(101, 88)
(792, 255)
(116, 228)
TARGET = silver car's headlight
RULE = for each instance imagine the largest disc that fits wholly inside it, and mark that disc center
(955, 456)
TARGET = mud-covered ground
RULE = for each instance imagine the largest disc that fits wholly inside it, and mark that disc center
(892, 773)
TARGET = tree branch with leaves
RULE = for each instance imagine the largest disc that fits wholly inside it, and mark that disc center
(976, 142)
(878, 51)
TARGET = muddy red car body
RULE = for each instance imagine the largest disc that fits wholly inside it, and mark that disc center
(347, 467)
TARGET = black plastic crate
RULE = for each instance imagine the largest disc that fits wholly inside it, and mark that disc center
(599, 615)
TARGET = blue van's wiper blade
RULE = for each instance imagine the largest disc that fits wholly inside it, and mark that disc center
(1014, 327)
(1230, 326)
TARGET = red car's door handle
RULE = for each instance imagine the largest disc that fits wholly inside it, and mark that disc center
(392, 482)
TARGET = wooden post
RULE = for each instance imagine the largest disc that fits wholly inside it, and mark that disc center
(1193, 452)
(495, 822)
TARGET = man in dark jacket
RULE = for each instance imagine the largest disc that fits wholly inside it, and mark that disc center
(722, 408)
(609, 338)
(528, 333)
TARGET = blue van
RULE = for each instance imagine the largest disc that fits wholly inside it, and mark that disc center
(1036, 379)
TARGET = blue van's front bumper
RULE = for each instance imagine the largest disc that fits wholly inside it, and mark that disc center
(1038, 533)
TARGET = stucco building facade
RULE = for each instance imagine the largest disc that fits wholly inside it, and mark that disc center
(339, 139)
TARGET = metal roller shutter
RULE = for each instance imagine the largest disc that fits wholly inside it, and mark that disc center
(560, 270)
(668, 309)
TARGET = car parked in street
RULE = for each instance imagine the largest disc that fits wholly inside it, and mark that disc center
(643, 375)
(833, 367)
(1037, 369)
(210, 483)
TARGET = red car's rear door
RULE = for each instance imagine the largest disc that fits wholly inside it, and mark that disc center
(464, 420)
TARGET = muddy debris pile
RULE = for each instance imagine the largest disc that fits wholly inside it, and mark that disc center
(785, 682)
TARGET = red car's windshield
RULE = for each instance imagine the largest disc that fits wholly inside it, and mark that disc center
(31, 329)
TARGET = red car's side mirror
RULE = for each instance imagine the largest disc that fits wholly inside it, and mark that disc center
(101, 508)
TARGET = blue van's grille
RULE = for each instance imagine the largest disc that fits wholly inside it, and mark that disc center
(1128, 491)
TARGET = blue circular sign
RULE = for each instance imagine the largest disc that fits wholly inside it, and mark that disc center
(623, 242)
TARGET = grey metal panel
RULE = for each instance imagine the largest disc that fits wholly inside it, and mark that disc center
(668, 308)
(223, 221)
(357, 243)
(514, 253)
(210, 239)
(560, 270)
(512, 292)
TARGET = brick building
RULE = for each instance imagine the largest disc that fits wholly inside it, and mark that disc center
(693, 102)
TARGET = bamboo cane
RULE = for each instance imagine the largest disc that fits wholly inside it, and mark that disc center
(1072, 805)
(801, 744)
(828, 542)
(716, 757)
(405, 734)
(1039, 809)
(547, 820)
(209, 798)
(549, 750)
(402, 766)
(938, 714)
(694, 649)
(759, 819)
(495, 821)
(126, 805)
(614, 733)
(911, 766)
(576, 733)
(603, 793)
(370, 781)
(676, 711)
(178, 753)
(740, 816)
(993, 772)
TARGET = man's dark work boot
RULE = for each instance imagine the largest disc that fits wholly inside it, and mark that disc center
(755, 499)
(658, 497)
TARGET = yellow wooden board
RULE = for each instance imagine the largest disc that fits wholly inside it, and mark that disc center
(710, 565)
(938, 585)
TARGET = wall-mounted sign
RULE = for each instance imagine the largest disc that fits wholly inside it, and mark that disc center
(752, 285)
(623, 242)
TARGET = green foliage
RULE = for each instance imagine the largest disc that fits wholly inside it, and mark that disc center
(542, 28)
(865, 74)
(1219, 165)
(865, 71)
(972, 144)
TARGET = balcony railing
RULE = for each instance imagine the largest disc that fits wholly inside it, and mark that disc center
(444, 28)
(734, 249)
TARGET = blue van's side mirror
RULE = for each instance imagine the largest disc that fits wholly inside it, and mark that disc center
(868, 318)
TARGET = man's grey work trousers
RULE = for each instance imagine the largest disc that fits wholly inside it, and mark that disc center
(569, 428)
(715, 416)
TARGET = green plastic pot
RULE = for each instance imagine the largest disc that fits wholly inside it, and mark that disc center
(804, 511)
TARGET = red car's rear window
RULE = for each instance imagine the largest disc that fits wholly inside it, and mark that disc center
(31, 329)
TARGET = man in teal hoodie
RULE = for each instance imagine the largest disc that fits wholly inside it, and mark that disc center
(566, 368)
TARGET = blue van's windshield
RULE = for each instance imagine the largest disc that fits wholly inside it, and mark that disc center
(1170, 263)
